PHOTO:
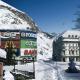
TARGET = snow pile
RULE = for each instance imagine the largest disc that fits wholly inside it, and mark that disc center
(24, 67)
(44, 45)
(8, 76)
(41, 68)
(2, 53)
(45, 71)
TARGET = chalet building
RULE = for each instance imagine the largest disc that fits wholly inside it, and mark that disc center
(67, 46)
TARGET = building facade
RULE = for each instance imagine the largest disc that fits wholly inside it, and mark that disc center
(67, 46)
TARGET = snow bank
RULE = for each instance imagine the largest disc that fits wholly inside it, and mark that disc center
(2, 53)
(24, 67)
(8, 76)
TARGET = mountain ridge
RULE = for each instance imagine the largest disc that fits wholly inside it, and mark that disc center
(11, 15)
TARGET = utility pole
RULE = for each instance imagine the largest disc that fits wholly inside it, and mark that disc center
(33, 67)
(14, 62)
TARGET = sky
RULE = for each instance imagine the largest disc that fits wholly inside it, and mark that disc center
(50, 15)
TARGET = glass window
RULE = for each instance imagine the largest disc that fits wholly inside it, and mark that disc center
(76, 52)
(72, 52)
(75, 36)
(69, 52)
(69, 36)
(72, 36)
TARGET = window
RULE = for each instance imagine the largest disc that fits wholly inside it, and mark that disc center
(72, 36)
(72, 52)
(69, 52)
(75, 36)
(76, 52)
(69, 36)
(73, 44)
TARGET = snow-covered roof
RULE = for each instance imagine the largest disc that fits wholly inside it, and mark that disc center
(71, 32)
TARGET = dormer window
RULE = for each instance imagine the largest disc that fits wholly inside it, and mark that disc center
(75, 36)
(69, 36)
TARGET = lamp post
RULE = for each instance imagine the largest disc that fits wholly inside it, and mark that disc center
(14, 61)
(33, 67)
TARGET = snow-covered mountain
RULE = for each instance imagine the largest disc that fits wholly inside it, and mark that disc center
(12, 18)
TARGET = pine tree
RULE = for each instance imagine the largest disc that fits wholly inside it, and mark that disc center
(77, 26)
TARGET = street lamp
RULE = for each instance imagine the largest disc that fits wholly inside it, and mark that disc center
(14, 61)
(33, 58)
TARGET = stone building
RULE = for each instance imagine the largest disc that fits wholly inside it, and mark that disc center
(67, 45)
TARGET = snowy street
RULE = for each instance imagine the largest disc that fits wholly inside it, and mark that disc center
(51, 71)
(48, 70)
(45, 71)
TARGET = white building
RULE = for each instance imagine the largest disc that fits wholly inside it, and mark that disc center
(67, 45)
